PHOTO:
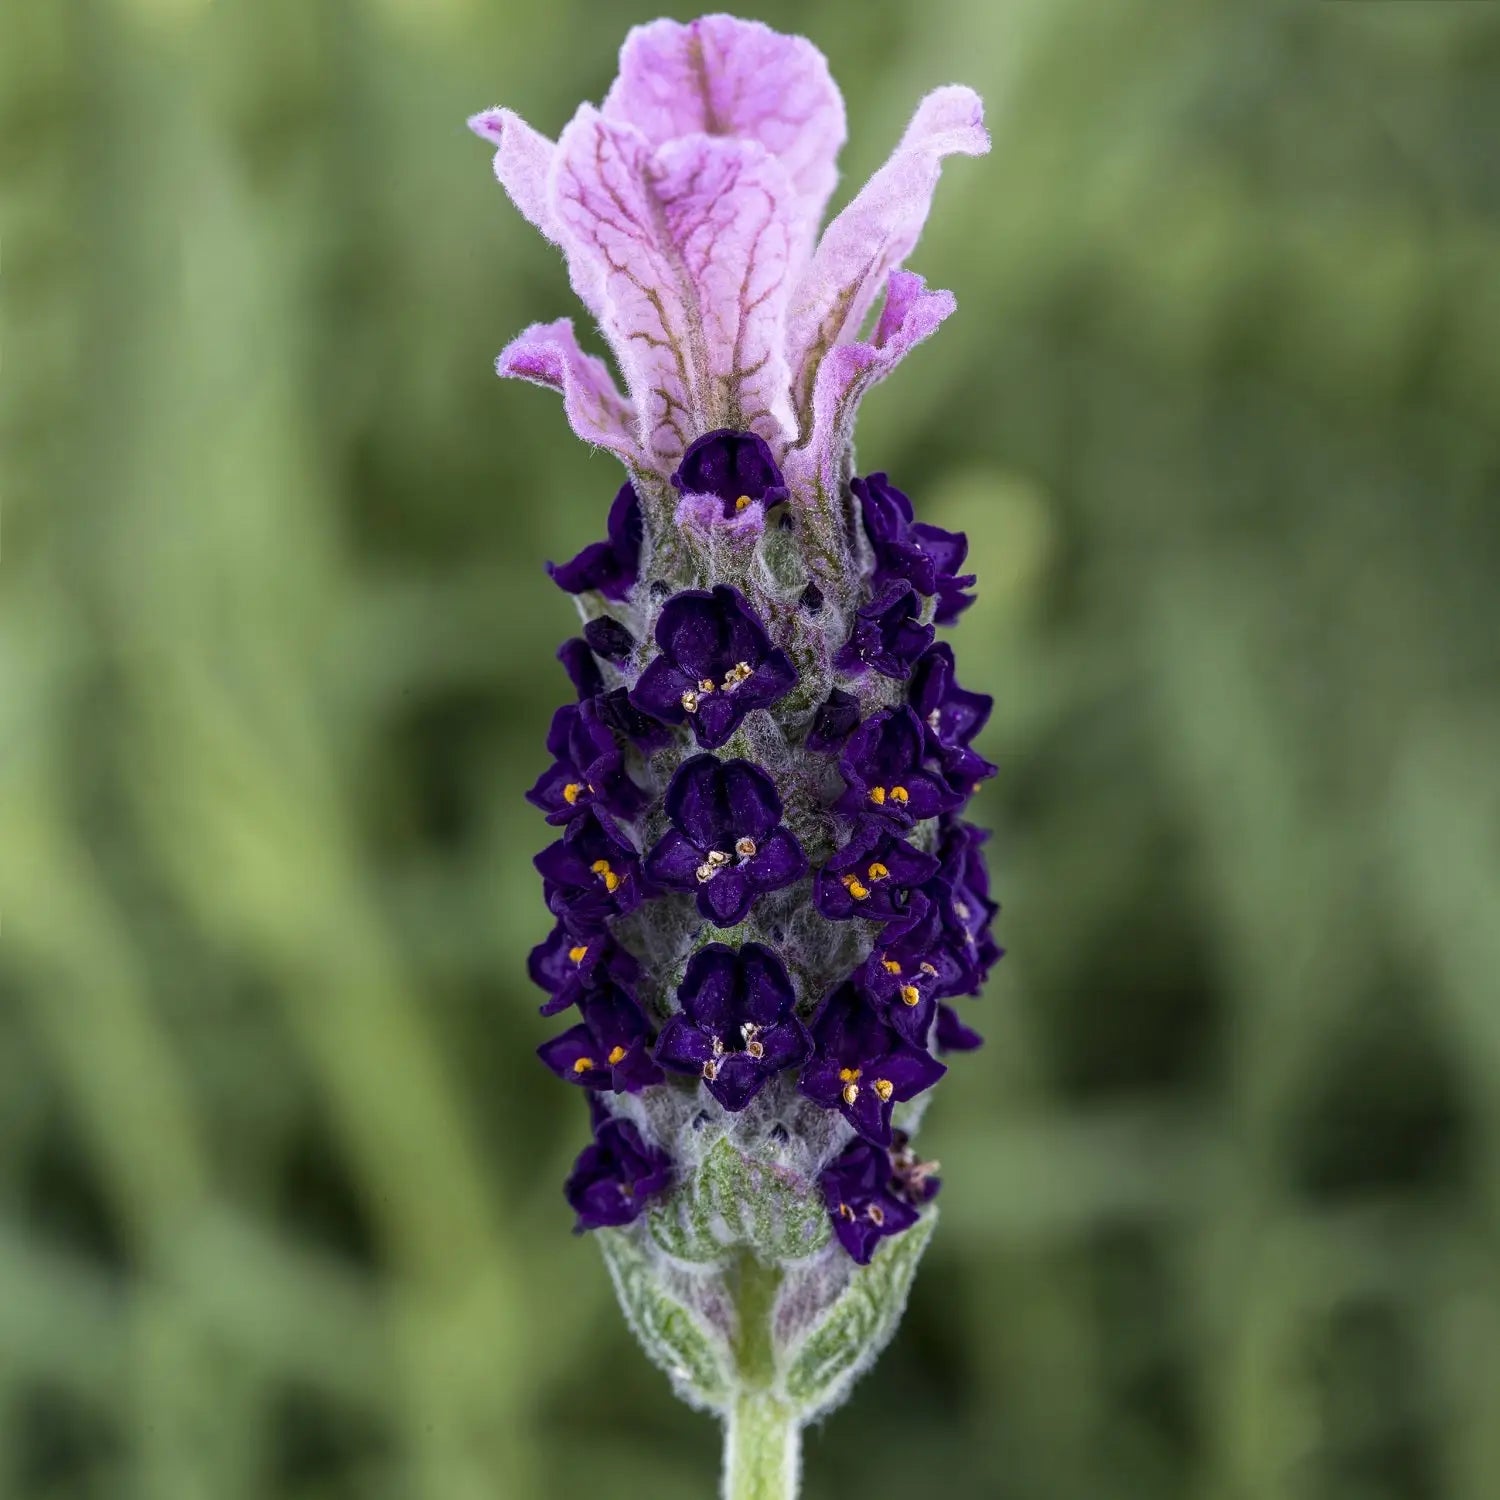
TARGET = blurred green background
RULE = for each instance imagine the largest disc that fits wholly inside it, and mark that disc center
(279, 1175)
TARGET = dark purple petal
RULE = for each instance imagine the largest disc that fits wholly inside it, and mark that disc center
(726, 897)
(717, 803)
(589, 768)
(737, 467)
(683, 1047)
(609, 1048)
(582, 668)
(951, 1035)
(778, 861)
(610, 567)
(736, 1079)
(834, 721)
(659, 690)
(857, 1187)
(951, 713)
(674, 861)
(575, 1057)
(608, 638)
(909, 1070)
(629, 723)
(736, 1029)
(750, 795)
(887, 634)
(861, 1067)
(615, 1175)
(787, 1045)
(925, 556)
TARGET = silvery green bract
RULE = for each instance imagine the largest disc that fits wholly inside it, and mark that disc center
(765, 895)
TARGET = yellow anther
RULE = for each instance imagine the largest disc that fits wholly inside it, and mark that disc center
(571, 792)
(876, 1214)
(705, 684)
(690, 701)
(578, 954)
(741, 502)
(853, 885)
(582, 1064)
(890, 966)
(845, 1212)
(757, 1050)
(711, 1070)
(877, 795)
(740, 672)
(910, 994)
(745, 848)
(601, 868)
(929, 969)
(884, 1088)
(878, 871)
(901, 795)
(848, 1075)
(616, 1056)
(851, 1092)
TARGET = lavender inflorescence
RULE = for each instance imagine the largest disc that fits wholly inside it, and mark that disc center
(765, 891)
(766, 897)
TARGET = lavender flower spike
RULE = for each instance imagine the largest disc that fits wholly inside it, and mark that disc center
(763, 890)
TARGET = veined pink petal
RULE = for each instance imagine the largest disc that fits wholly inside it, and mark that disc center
(686, 248)
(548, 354)
(911, 313)
(877, 231)
(726, 77)
(523, 163)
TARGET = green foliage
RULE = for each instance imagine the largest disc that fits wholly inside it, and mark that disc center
(852, 1333)
(279, 1208)
(672, 1333)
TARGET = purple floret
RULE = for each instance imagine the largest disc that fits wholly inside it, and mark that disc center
(884, 768)
(925, 556)
(610, 566)
(871, 875)
(834, 722)
(567, 966)
(861, 1066)
(736, 467)
(716, 665)
(737, 1028)
(591, 873)
(888, 634)
(615, 1175)
(726, 843)
(588, 768)
(610, 1048)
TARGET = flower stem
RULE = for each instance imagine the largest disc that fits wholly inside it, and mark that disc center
(762, 1432)
(762, 1449)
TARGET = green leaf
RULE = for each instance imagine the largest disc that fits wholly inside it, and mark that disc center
(844, 1343)
(676, 1337)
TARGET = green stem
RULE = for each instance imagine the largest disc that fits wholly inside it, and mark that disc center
(762, 1434)
(762, 1449)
